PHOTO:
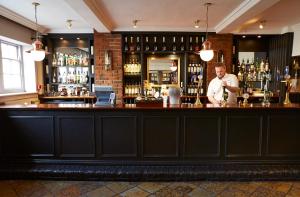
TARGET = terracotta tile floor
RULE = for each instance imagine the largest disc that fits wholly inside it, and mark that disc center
(42, 188)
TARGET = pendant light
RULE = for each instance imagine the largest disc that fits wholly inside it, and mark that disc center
(206, 53)
(37, 53)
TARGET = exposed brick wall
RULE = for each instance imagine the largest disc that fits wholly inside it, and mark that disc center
(113, 77)
(222, 42)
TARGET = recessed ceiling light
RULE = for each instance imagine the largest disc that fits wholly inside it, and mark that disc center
(262, 24)
(78, 38)
(61, 38)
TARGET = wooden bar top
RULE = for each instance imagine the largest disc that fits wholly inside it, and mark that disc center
(67, 97)
(256, 106)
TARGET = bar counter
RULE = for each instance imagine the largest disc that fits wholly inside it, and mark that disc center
(125, 142)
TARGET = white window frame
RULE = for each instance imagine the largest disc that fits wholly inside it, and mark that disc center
(20, 60)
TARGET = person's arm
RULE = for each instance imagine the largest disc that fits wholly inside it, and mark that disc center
(234, 87)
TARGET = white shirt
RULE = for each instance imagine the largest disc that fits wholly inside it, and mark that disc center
(215, 88)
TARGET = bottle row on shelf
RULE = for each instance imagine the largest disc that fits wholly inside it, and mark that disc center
(132, 69)
(161, 77)
(132, 89)
(191, 90)
(163, 43)
(195, 68)
(254, 71)
(75, 59)
(71, 77)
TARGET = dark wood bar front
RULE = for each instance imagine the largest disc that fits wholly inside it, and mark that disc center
(180, 142)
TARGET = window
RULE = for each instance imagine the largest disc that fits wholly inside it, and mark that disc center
(11, 68)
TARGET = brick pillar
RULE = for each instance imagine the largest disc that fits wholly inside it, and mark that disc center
(113, 77)
(222, 42)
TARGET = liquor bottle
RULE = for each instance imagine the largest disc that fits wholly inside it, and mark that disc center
(125, 44)
(60, 80)
(138, 46)
(220, 56)
(155, 44)
(174, 44)
(164, 47)
(182, 48)
(87, 77)
(197, 44)
(191, 43)
(147, 48)
(131, 46)
(225, 94)
(54, 61)
(54, 76)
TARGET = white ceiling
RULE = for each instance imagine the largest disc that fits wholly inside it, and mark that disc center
(225, 16)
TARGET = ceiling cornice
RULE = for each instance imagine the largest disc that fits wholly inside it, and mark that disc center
(248, 10)
(21, 20)
(235, 14)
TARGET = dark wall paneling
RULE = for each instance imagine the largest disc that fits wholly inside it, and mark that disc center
(283, 136)
(243, 135)
(160, 136)
(280, 53)
(118, 135)
(76, 136)
(253, 44)
(201, 136)
(28, 136)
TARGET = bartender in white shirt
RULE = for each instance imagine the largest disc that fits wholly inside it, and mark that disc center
(215, 87)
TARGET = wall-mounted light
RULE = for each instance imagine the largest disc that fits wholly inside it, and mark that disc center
(259, 36)
(197, 24)
(69, 24)
(134, 23)
(107, 60)
(262, 24)
(243, 36)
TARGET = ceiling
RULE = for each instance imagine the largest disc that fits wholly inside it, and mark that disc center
(224, 16)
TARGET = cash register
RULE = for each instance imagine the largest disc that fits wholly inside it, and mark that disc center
(105, 96)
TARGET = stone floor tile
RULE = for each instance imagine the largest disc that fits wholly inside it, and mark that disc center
(87, 186)
(245, 187)
(296, 184)
(214, 187)
(278, 186)
(119, 187)
(151, 187)
(71, 190)
(26, 187)
(7, 190)
(265, 192)
(233, 193)
(135, 192)
(101, 192)
(294, 192)
(175, 190)
(200, 192)
(182, 188)
(55, 186)
(164, 192)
